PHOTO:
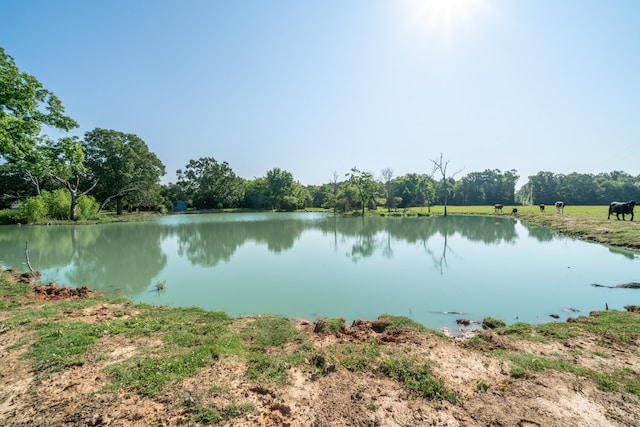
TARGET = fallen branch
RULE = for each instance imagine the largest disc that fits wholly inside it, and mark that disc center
(630, 285)
(26, 253)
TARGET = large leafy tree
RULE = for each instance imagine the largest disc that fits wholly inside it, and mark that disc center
(488, 187)
(364, 185)
(14, 185)
(65, 164)
(25, 107)
(123, 166)
(210, 184)
(415, 190)
(326, 195)
(279, 185)
(256, 195)
(283, 192)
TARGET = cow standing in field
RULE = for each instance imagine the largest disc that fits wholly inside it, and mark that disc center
(560, 206)
(623, 208)
(541, 207)
(497, 207)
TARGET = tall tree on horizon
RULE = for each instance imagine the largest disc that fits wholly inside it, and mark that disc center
(441, 166)
(364, 185)
(122, 164)
(210, 184)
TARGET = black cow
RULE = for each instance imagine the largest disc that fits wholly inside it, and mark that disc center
(623, 208)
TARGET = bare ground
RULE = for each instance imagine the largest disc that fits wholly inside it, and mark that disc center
(488, 395)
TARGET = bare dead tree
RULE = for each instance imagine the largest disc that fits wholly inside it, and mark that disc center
(334, 184)
(387, 175)
(441, 166)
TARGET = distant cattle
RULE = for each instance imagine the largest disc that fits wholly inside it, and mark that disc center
(623, 208)
(514, 211)
(560, 206)
(498, 207)
(541, 207)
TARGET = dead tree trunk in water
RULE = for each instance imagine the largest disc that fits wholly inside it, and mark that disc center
(26, 253)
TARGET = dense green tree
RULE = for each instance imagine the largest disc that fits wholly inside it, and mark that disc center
(257, 194)
(211, 185)
(25, 107)
(284, 193)
(364, 185)
(508, 187)
(123, 166)
(387, 176)
(300, 198)
(414, 190)
(326, 195)
(65, 159)
(544, 188)
(280, 185)
(14, 185)
(487, 187)
(579, 189)
(319, 195)
(170, 194)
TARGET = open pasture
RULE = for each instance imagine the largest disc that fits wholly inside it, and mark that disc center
(577, 211)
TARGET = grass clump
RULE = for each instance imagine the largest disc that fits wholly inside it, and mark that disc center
(417, 378)
(397, 322)
(491, 323)
(9, 289)
(147, 374)
(329, 325)
(267, 369)
(212, 415)
(359, 358)
(60, 345)
(268, 331)
(191, 338)
(621, 379)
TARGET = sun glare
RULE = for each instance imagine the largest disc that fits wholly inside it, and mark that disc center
(444, 18)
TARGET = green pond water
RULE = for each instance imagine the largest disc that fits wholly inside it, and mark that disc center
(310, 265)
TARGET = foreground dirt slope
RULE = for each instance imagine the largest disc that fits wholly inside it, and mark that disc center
(487, 391)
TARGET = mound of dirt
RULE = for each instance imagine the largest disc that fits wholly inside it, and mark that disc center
(51, 292)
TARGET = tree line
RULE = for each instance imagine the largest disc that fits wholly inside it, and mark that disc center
(73, 178)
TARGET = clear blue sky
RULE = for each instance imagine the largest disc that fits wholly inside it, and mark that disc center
(314, 87)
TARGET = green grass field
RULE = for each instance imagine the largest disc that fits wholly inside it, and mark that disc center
(583, 222)
(580, 211)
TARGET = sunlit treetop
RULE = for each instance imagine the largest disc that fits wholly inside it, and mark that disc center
(25, 107)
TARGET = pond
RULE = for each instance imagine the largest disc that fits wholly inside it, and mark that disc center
(311, 265)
